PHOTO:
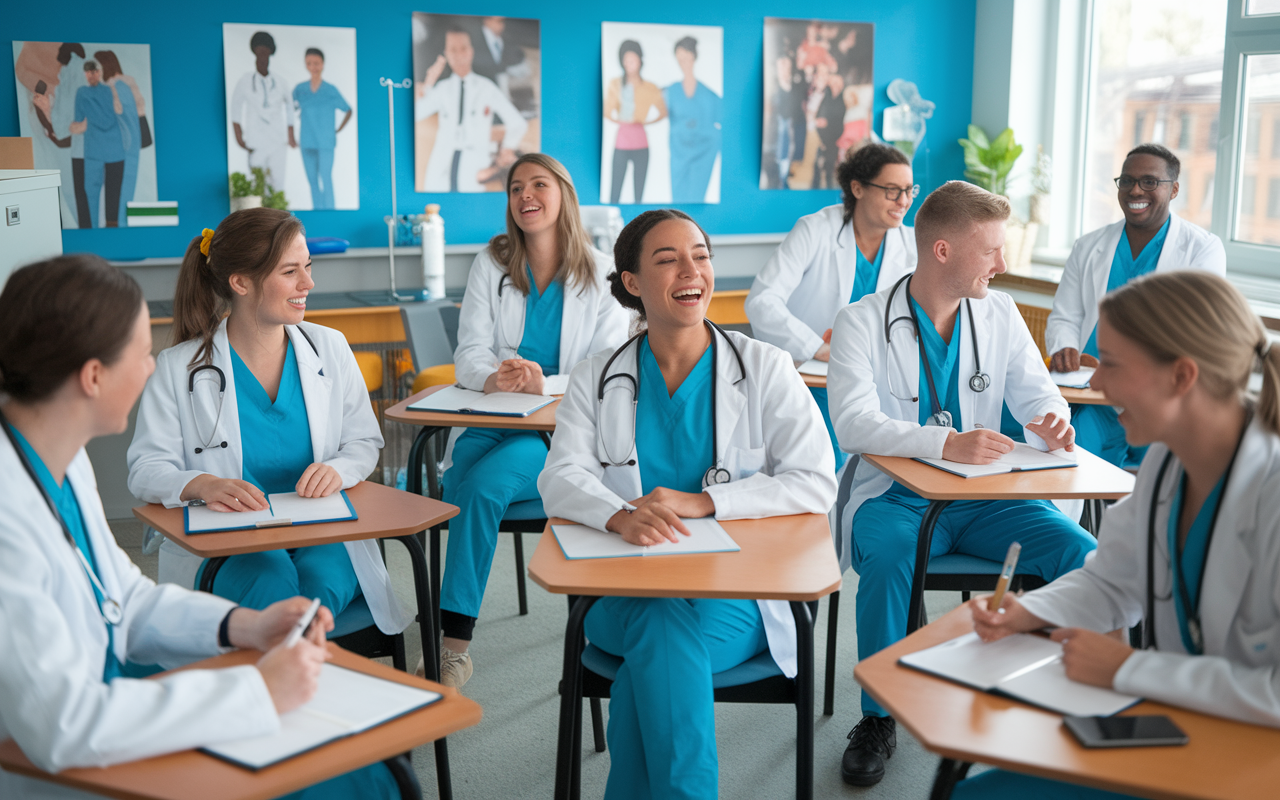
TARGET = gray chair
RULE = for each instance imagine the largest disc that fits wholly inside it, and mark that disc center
(432, 331)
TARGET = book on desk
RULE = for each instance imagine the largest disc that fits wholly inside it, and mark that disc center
(582, 542)
(283, 509)
(456, 400)
(1022, 458)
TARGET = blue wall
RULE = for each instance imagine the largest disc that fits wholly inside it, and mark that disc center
(929, 42)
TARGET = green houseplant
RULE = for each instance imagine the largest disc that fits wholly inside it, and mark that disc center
(255, 192)
(988, 162)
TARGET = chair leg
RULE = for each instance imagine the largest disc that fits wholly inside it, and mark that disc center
(406, 779)
(964, 596)
(597, 724)
(804, 700)
(398, 659)
(829, 681)
(521, 592)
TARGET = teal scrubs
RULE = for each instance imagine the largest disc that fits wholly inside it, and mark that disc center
(276, 445)
(885, 528)
(661, 716)
(1194, 551)
(492, 469)
(1097, 428)
(865, 277)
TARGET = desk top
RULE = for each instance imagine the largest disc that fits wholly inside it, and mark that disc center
(782, 558)
(1085, 397)
(1091, 479)
(544, 419)
(383, 512)
(1224, 759)
(814, 381)
(192, 775)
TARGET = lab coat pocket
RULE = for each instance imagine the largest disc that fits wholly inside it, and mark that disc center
(743, 462)
(1259, 648)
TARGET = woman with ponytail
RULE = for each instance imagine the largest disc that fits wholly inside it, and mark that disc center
(1175, 352)
(252, 401)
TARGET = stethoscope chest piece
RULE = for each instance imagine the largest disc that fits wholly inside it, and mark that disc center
(111, 611)
(715, 476)
(979, 381)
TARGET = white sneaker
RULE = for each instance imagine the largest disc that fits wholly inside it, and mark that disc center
(455, 668)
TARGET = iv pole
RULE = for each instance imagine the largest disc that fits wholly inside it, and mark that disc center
(393, 220)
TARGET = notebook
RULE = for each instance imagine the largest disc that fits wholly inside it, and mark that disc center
(285, 508)
(1022, 458)
(346, 703)
(580, 541)
(1073, 380)
(555, 384)
(456, 400)
(1024, 667)
(813, 367)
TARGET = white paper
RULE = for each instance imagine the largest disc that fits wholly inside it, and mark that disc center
(284, 505)
(555, 384)
(813, 367)
(455, 400)
(346, 702)
(1023, 457)
(1073, 380)
(580, 541)
(1049, 687)
(202, 519)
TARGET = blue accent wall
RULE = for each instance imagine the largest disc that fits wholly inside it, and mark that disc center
(929, 42)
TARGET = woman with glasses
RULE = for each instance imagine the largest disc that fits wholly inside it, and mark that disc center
(837, 256)
(1149, 238)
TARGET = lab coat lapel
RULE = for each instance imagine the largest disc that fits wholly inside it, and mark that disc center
(1103, 253)
(575, 320)
(1228, 565)
(1173, 254)
(891, 263)
(229, 421)
(100, 540)
(316, 388)
(731, 395)
(617, 423)
(845, 256)
(902, 360)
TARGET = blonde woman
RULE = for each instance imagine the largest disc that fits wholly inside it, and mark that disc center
(1175, 352)
(537, 303)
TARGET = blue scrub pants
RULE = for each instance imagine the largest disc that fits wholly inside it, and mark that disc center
(128, 184)
(1099, 431)
(256, 580)
(820, 397)
(491, 470)
(373, 782)
(318, 163)
(662, 727)
(997, 784)
(885, 530)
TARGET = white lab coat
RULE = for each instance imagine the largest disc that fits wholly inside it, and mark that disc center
(263, 106)
(871, 416)
(344, 435)
(773, 443)
(53, 701)
(469, 135)
(809, 278)
(1084, 280)
(1238, 676)
(491, 326)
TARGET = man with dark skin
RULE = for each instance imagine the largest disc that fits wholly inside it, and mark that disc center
(262, 113)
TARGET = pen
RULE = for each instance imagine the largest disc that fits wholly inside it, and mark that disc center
(1006, 575)
(301, 626)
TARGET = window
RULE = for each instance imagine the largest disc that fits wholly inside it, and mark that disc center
(1260, 7)
(1275, 138)
(1248, 194)
(1261, 101)
(1273, 205)
(1252, 134)
(1186, 124)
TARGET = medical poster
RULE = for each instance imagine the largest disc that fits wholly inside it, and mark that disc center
(818, 93)
(88, 110)
(291, 110)
(663, 86)
(477, 99)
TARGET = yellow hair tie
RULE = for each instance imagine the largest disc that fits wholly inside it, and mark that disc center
(206, 236)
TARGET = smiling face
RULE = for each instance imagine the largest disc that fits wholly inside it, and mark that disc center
(1140, 387)
(458, 52)
(533, 198)
(675, 278)
(1143, 209)
(872, 209)
(973, 258)
(122, 382)
(282, 297)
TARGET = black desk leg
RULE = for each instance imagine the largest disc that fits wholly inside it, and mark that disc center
(568, 757)
(210, 572)
(915, 611)
(829, 679)
(804, 700)
(422, 454)
(950, 772)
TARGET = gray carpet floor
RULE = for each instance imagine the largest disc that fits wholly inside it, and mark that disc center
(511, 753)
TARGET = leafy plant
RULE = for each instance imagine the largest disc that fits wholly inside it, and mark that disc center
(240, 185)
(1042, 172)
(988, 161)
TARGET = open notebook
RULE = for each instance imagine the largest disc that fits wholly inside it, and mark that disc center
(286, 508)
(1022, 458)
(1073, 380)
(1024, 667)
(813, 367)
(456, 400)
(346, 703)
(580, 541)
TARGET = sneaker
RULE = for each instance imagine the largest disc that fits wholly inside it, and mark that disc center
(871, 743)
(455, 668)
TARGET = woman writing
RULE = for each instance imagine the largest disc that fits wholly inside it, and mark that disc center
(1192, 553)
(628, 102)
(79, 620)
(258, 402)
(535, 306)
(722, 427)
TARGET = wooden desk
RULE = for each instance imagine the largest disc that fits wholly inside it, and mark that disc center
(1085, 397)
(384, 513)
(814, 381)
(782, 558)
(193, 775)
(1093, 479)
(1224, 759)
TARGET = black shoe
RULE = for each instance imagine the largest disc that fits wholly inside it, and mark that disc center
(871, 742)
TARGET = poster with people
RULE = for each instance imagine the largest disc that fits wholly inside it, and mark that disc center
(291, 110)
(818, 93)
(477, 99)
(87, 108)
(663, 87)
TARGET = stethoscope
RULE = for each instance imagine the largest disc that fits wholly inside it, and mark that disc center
(716, 474)
(978, 381)
(504, 341)
(110, 610)
(1192, 611)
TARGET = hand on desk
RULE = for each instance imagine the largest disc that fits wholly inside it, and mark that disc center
(1069, 359)
(1056, 431)
(225, 494)
(319, 480)
(657, 516)
(981, 446)
(516, 375)
(824, 352)
(292, 674)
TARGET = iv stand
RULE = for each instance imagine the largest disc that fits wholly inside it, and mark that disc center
(393, 220)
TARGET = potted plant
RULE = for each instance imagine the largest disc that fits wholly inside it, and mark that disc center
(988, 163)
(255, 193)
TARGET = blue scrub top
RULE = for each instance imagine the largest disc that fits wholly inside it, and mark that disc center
(675, 442)
(867, 273)
(1194, 551)
(944, 358)
(64, 499)
(316, 113)
(275, 437)
(103, 140)
(1124, 268)
(542, 320)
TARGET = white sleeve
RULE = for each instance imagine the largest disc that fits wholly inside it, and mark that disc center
(1028, 389)
(157, 467)
(238, 98)
(1063, 327)
(361, 438)
(1211, 256)
(474, 358)
(514, 124)
(429, 104)
(766, 304)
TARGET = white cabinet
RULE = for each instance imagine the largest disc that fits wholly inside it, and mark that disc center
(30, 217)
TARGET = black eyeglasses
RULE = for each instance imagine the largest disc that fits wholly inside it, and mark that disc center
(1124, 183)
(892, 193)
